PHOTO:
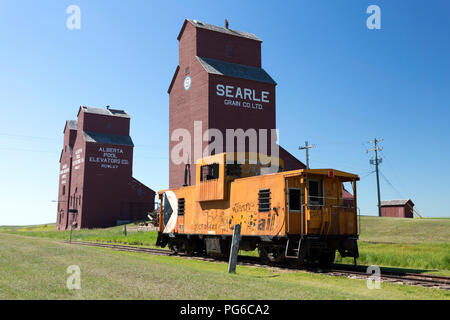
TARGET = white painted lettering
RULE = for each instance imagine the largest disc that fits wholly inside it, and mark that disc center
(220, 90)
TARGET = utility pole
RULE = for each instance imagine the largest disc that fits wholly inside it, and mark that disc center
(307, 147)
(377, 161)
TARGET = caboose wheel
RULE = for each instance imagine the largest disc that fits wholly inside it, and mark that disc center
(190, 247)
(326, 259)
(173, 246)
(263, 254)
(277, 255)
(272, 253)
(302, 255)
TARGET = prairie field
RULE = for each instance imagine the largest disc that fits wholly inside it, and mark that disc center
(391, 242)
(36, 268)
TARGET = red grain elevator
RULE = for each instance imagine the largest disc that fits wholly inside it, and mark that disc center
(96, 172)
(397, 208)
(219, 83)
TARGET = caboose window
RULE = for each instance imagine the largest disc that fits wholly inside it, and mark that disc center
(294, 200)
(234, 169)
(181, 206)
(264, 200)
(316, 192)
(209, 172)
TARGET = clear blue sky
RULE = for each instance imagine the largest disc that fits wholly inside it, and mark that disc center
(339, 85)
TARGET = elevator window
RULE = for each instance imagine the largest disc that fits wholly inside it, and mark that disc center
(229, 51)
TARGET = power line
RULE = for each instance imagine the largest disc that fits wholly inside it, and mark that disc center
(19, 136)
(367, 174)
(27, 137)
(393, 171)
(55, 152)
(391, 165)
(401, 195)
(376, 161)
(335, 164)
(392, 186)
(307, 147)
(28, 150)
(149, 146)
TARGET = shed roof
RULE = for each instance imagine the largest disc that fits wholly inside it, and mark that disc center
(235, 70)
(400, 202)
(199, 24)
(108, 138)
(346, 194)
(106, 112)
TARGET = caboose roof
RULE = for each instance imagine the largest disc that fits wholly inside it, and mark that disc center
(323, 172)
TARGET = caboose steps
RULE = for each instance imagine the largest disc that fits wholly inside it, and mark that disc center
(292, 250)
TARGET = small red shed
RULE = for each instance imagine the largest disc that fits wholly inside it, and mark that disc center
(397, 208)
(348, 198)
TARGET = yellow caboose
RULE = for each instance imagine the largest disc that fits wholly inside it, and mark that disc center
(298, 214)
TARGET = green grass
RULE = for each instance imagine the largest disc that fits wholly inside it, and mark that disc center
(427, 230)
(406, 243)
(109, 235)
(394, 242)
(35, 268)
(423, 256)
(411, 243)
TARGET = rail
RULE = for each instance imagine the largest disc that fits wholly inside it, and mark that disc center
(440, 282)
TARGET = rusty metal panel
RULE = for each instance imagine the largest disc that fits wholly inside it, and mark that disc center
(211, 190)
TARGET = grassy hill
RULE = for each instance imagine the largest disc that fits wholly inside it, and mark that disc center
(410, 243)
(428, 230)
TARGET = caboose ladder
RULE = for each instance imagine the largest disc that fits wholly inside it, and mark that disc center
(291, 251)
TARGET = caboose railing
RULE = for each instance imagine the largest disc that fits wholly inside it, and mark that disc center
(326, 216)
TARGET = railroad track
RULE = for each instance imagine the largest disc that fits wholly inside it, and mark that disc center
(407, 276)
(358, 272)
(119, 247)
(404, 278)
